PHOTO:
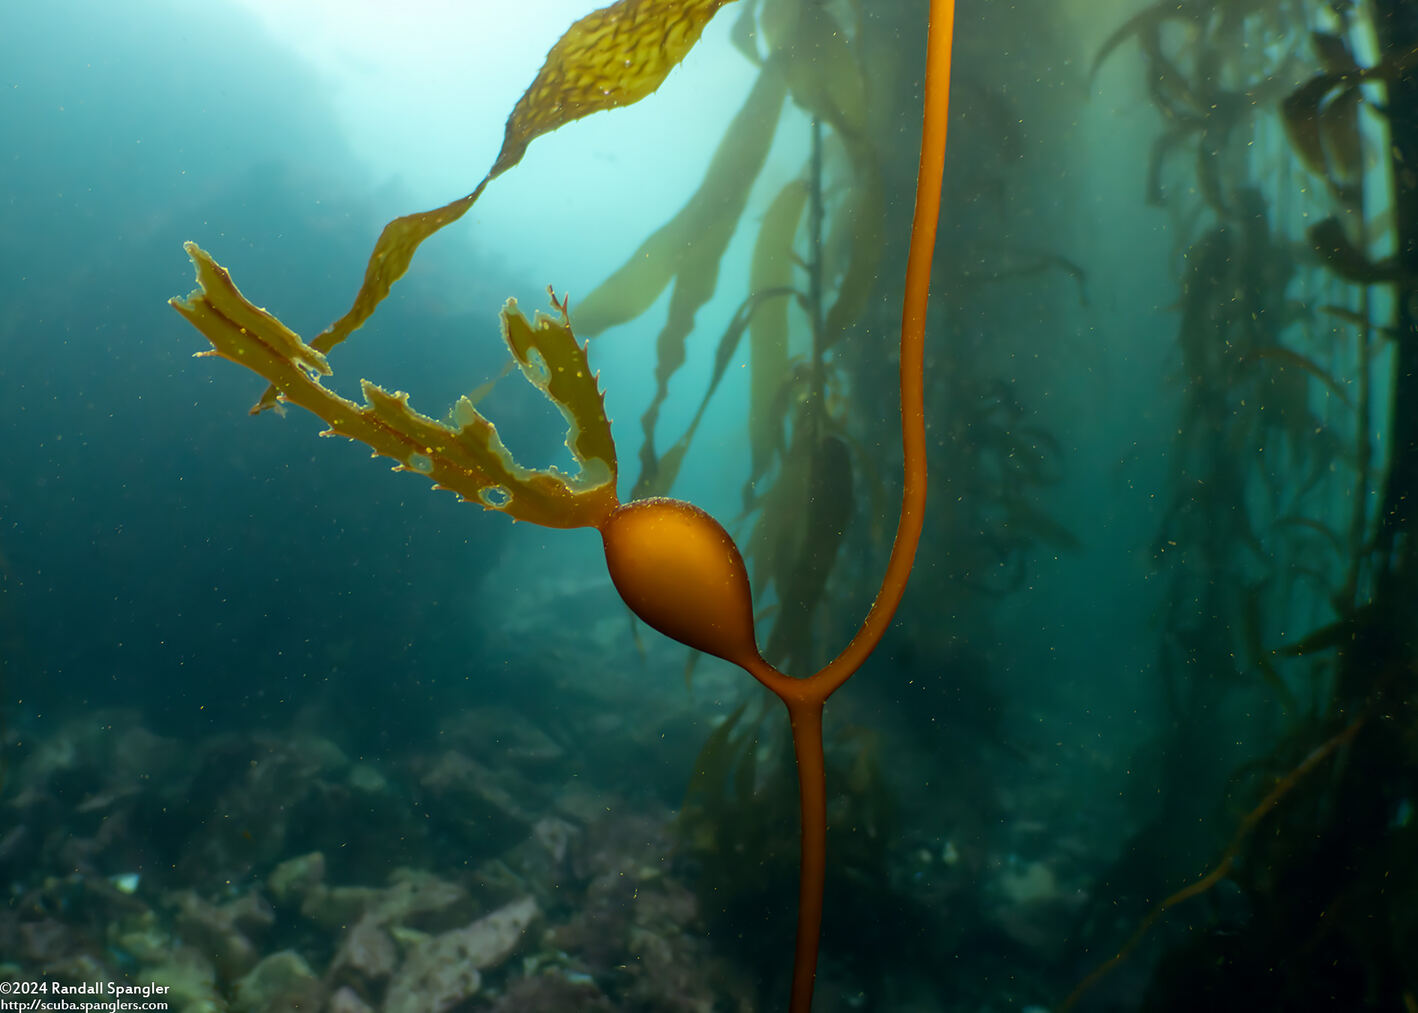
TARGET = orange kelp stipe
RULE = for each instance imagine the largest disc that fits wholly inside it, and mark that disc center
(680, 571)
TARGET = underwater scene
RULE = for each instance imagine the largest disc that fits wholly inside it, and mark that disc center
(901, 507)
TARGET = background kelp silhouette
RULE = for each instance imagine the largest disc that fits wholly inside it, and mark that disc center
(1299, 158)
(676, 567)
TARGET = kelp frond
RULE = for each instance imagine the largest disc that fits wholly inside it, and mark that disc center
(469, 459)
(610, 58)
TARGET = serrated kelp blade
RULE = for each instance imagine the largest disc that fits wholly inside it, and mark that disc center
(612, 57)
(556, 364)
(473, 462)
(239, 331)
(253, 338)
(469, 460)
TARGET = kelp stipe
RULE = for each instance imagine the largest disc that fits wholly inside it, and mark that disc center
(673, 564)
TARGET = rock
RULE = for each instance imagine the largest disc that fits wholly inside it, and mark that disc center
(259, 798)
(420, 899)
(290, 881)
(338, 906)
(493, 938)
(367, 778)
(347, 1000)
(413, 897)
(479, 802)
(442, 971)
(279, 983)
(430, 988)
(550, 992)
(366, 950)
(1033, 883)
(190, 978)
(1034, 910)
(17, 847)
(223, 931)
(75, 969)
(542, 861)
(43, 940)
(501, 735)
(555, 836)
(141, 937)
(250, 913)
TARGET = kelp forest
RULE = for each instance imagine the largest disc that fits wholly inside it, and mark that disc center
(1286, 541)
(1132, 718)
(1264, 867)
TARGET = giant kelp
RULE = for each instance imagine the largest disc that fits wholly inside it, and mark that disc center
(672, 564)
(1281, 522)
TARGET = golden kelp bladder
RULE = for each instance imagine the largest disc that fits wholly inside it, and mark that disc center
(676, 567)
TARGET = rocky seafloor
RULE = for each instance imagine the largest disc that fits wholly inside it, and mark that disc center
(487, 868)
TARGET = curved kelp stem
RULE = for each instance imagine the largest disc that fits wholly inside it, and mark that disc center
(913, 341)
(805, 717)
(805, 698)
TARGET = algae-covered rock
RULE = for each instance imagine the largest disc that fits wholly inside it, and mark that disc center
(279, 983)
(412, 897)
(500, 736)
(347, 1000)
(142, 937)
(290, 881)
(421, 899)
(543, 861)
(367, 951)
(367, 778)
(441, 971)
(224, 931)
(334, 907)
(551, 992)
(190, 979)
(479, 802)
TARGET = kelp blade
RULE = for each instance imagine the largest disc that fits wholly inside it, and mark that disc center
(612, 57)
(555, 363)
(470, 460)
